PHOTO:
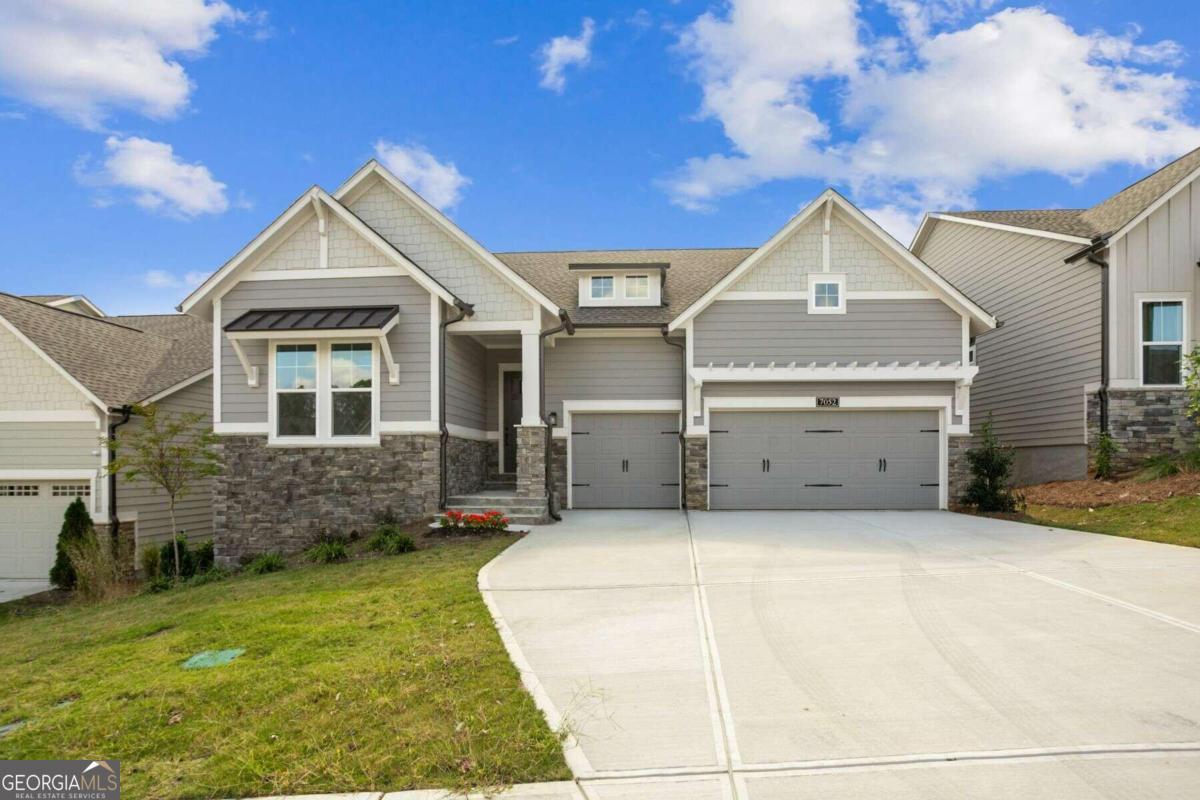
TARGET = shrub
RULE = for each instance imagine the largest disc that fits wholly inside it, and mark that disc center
(327, 551)
(1106, 448)
(76, 528)
(187, 560)
(1165, 465)
(208, 576)
(265, 563)
(203, 557)
(391, 541)
(150, 558)
(159, 583)
(991, 467)
(96, 568)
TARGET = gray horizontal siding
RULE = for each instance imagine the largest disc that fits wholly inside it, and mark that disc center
(871, 330)
(193, 514)
(465, 394)
(49, 445)
(409, 341)
(1033, 369)
(612, 368)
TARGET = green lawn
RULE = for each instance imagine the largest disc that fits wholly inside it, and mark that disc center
(1173, 521)
(380, 674)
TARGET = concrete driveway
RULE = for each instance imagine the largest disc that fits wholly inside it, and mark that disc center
(857, 654)
(16, 588)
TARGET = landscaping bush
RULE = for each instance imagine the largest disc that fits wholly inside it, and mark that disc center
(96, 568)
(327, 550)
(391, 541)
(265, 563)
(203, 557)
(1106, 448)
(187, 560)
(76, 528)
(150, 559)
(1166, 465)
(208, 576)
(991, 468)
(487, 522)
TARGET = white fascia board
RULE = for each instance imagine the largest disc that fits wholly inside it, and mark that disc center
(439, 219)
(786, 373)
(25, 340)
(1155, 206)
(170, 390)
(979, 223)
(65, 301)
(619, 406)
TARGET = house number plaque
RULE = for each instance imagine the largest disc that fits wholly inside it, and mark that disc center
(828, 402)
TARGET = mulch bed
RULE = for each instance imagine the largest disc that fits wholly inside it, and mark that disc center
(1093, 493)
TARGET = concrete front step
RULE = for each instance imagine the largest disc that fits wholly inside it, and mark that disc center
(496, 499)
(528, 509)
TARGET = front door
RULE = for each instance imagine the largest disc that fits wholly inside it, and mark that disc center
(512, 416)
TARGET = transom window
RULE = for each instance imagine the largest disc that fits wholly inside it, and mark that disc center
(602, 287)
(637, 287)
(71, 490)
(18, 490)
(826, 294)
(1162, 342)
(324, 392)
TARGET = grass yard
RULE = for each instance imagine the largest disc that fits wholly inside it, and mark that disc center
(1174, 521)
(383, 674)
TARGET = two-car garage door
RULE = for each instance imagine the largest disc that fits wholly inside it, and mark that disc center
(824, 459)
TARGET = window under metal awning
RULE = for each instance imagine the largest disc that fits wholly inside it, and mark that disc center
(327, 322)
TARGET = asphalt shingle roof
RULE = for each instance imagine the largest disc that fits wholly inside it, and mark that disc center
(1067, 221)
(692, 272)
(121, 360)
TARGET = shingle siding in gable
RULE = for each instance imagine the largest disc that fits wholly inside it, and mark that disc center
(31, 383)
(1034, 368)
(348, 250)
(448, 261)
(300, 250)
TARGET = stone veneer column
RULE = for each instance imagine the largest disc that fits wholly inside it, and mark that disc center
(1143, 423)
(558, 471)
(531, 461)
(695, 472)
(959, 471)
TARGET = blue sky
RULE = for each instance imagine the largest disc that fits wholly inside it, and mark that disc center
(141, 149)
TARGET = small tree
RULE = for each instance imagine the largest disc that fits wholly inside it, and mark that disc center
(991, 467)
(171, 452)
(76, 528)
(1191, 379)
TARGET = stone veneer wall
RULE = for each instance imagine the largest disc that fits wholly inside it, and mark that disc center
(558, 471)
(958, 470)
(695, 473)
(531, 461)
(1143, 423)
(466, 465)
(281, 499)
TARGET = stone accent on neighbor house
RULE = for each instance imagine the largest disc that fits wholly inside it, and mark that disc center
(958, 469)
(695, 473)
(281, 499)
(531, 461)
(558, 472)
(1143, 423)
(466, 465)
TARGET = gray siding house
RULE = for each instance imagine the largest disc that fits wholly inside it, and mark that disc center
(1046, 377)
(68, 371)
(370, 355)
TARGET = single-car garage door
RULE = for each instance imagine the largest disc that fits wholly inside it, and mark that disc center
(625, 460)
(31, 514)
(824, 459)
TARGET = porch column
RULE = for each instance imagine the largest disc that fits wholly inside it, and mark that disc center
(531, 434)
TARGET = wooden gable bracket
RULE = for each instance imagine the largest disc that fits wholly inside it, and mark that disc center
(322, 231)
(251, 372)
(392, 367)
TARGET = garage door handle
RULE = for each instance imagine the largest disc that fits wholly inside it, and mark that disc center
(768, 465)
(931, 484)
(885, 465)
(879, 465)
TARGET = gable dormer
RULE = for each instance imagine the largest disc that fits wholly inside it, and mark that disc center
(618, 284)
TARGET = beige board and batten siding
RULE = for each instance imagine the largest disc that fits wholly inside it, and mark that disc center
(466, 392)
(409, 340)
(193, 514)
(440, 255)
(1157, 256)
(1033, 369)
(620, 368)
(762, 331)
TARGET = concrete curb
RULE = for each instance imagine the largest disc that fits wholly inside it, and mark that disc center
(557, 790)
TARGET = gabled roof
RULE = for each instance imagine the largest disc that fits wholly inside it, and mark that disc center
(113, 361)
(691, 273)
(57, 300)
(1108, 219)
(922, 271)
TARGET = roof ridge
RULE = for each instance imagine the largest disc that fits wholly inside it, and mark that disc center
(1008, 210)
(106, 320)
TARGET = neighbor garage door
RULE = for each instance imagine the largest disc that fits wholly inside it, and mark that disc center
(823, 459)
(31, 514)
(625, 460)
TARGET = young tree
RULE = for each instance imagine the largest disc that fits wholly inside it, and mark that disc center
(76, 527)
(1191, 379)
(991, 466)
(170, 451)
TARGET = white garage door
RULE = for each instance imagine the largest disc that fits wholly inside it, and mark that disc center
(824, 460)
(31, 514)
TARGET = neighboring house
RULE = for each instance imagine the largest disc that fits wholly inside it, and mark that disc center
(1047, 378)
(369, 354)
(65, 376)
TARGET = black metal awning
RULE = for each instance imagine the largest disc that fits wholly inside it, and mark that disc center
(336, 318)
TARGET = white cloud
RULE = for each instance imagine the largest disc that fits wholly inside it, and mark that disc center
(439, 182)
(82, 59)
(948, 105)
(505, 41)
(161, 279)
(562, 52)
(159, 180)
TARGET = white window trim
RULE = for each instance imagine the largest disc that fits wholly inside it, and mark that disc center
(816, 279)
(1140, 343)
(625, 281)
(324, 436)
(620, 296)
(612, 285)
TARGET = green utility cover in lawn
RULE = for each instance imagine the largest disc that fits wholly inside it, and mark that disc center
(212, 658)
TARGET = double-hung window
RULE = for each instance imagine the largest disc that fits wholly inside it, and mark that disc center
(602, 287)
(324, 393)
(1162, 343)
(637, 287)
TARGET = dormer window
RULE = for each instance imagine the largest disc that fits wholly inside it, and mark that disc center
(637, 287)
(602, 287)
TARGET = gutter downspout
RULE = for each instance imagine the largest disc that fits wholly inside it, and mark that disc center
(114, 521)
(464, 310)
(683, 418)
(1102, 263)
(565, 324)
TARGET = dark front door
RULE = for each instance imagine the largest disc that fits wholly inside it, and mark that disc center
(512, 416)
